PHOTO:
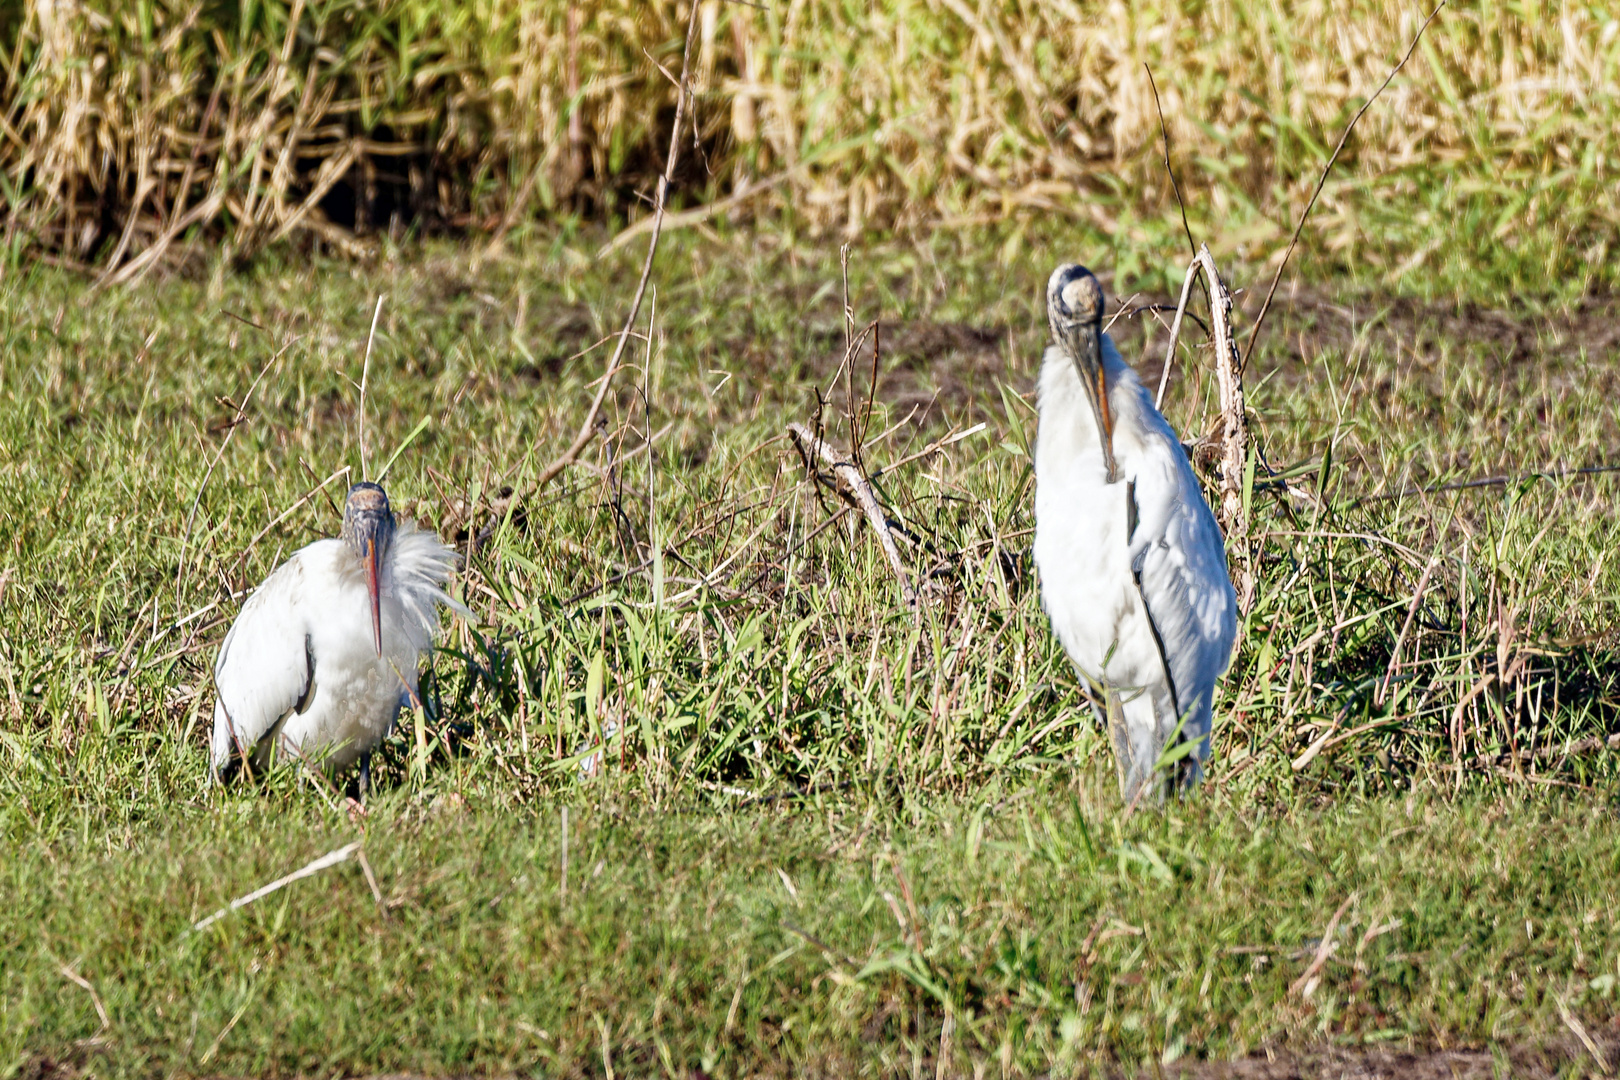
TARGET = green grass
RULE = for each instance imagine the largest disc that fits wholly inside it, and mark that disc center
(759, 697)
(816, 938)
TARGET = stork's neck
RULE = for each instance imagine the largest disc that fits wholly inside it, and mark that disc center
(1069, 427)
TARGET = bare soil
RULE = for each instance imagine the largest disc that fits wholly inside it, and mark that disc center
(1522, 1061)
(951, 365)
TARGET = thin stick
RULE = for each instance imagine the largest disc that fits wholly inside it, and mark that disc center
(853, 487)
(95, 998)
(933, 447)
(1330, 739)
(236, 422)
(365, 372)
(1581, 1033)
(588, 428)
(1175, 332)
(371, 879)
(285, 514)
(699, 214)
(1229, 372)
(1306, 983)
(1174, 185)
(1500, 480)
(1254, 335)
(1400, 639)
(331, 858)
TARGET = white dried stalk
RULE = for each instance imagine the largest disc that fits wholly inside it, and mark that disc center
(1229, 374)
(331, 858)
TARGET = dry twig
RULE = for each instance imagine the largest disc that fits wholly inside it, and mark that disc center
(1259, 320)
(854, 489)
(331, 858)
(1306, 984)
(588, 428)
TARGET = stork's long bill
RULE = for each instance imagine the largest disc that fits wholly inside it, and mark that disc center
(372, 560)
(1074, 307)
(368, 527)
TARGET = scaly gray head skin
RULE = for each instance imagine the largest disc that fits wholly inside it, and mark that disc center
(1074, 309)
(368, 529)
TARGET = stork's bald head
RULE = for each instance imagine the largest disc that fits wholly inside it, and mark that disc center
(1074, 309)
(368, 529)
(1074, 299)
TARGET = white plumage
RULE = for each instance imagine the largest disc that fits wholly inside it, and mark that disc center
(317, 667)
(1133, 567)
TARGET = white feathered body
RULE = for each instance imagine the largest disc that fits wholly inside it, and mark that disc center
(299, 670)
(1139, 596)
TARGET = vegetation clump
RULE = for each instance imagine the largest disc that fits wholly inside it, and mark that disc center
(134, 126)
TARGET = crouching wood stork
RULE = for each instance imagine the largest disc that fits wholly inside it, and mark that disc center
(1132, 564)
(325, 652)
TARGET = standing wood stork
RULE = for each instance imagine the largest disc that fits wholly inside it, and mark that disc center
(324, 654)
(1133, 568)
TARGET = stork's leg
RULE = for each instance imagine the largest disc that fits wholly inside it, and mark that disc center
(365, 774)
(1119, 734)
(1133, 726)
(1186, 774)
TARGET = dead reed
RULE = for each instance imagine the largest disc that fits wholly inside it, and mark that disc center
(133, 128)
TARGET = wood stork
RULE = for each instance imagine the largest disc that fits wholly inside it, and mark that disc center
(1132, 564)
(325, 653)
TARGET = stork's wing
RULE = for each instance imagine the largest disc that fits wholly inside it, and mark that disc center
(1180, 563)
(264, 671)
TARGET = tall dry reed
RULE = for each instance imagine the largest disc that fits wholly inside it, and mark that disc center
(130, 122)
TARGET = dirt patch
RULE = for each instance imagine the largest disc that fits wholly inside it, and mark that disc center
(1306, 323)
(936, 368)
(1524, 1061)
(1521, 1061)
(955, 368)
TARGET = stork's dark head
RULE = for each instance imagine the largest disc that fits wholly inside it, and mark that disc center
(368, 529)
(1074, 310)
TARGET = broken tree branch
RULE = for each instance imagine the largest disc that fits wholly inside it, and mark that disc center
(853, 488)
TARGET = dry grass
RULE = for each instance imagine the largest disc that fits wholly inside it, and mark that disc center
(130, 123)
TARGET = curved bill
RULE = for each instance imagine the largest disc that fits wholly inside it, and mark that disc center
(372, 560)
(1083, 342)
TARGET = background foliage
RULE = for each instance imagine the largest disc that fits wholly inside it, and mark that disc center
(129, 122)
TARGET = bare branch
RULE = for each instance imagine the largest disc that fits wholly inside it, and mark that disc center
(1254, 334)
(588, 428)
(852, 486)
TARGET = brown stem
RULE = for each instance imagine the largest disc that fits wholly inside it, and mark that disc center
(588, 428)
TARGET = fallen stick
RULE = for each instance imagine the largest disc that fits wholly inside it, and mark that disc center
(1306, 983)
(853, 488)
(1400, 639)
(331, 858)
